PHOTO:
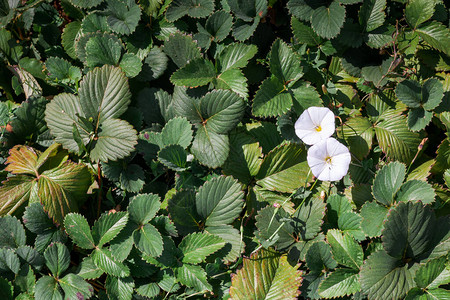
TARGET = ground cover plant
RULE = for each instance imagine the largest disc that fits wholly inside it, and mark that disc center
(233, 149)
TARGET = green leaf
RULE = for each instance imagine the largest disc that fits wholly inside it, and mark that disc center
(143, 208)
(9, 262)
(221, 111)
(123, 17)
(4, 8)
(104, 93)
(182, 211)
(373, 216)
(275, 227)
(234, 245)
(358, 133)
(68, 37)
(119, 288)
(37, 220)
(383, 277)
(181, 49)
(210, 148)
(107, 263)
(61, 70)
(414, 190)
(346, 251)
(433, 294)
(32, 258)
(28, 122)
(266, 275)
(304, 33)
(371, 15)
(149, 290)
(47, 288)
(194, 9)
(243, 30)
(94, 22)
(284, 169)
(15, 193)
(380, 37)
(328, 21)
(6, 289)
(57, 258)
(337, 205)
(61, 116)
(12, 233)
(168, 258)
(408, 230)
(244, 160)
(235, 55)
(342, 282)
(443, 157)
(148, 240)
(193, 276)
(232, 79)
(108, 227)
(219, 25)
(308, 219)
(304, 96)
(8, 48)
(433, 274)
(88, 270)
(436, 35)
(219, 201)
(174, 157)
(186, 103)
(284, 63)
(419, 11)
(412, 94)
(418, 118)
(388, 181)
(271, 99)
(177, 131)
(75, 287)
(30, 86)
(196, 73)
(396, 140)
(61, 190)
(432, 93)
(131, 65)
(266, 133)
(102, 50)
(319, 258)
(78, 229)
(122, 244)
(378, 73)
(86, 3)
(197, 246)
(155, 64)
(248, 10)
(351, 222)
(116, 139)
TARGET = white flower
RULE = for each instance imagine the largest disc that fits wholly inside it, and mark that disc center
(314, 125)
(329, 160)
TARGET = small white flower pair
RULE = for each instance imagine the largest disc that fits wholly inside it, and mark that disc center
(328, 159)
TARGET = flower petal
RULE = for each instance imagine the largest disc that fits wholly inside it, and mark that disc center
(317, 114)
(338, 164)
(325, 175)
(335, 148)
(311, 119)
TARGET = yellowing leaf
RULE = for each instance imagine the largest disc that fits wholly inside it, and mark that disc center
(266, 275)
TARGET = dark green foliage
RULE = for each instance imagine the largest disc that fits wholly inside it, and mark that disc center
(150, 149)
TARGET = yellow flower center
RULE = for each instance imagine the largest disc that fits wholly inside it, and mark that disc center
(318, 128)
(328, 160)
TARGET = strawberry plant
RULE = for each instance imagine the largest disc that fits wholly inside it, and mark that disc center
(249, 149)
